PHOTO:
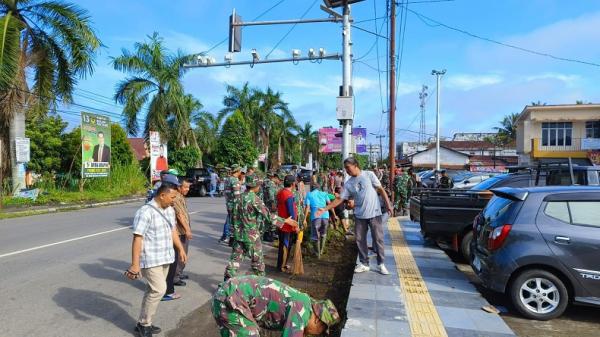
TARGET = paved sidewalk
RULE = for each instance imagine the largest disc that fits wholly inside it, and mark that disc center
(424, 295)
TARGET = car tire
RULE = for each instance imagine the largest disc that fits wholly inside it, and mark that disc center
(534, 282)
(202, 191)
(465, 245)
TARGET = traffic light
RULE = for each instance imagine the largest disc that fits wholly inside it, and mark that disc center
(235, 33)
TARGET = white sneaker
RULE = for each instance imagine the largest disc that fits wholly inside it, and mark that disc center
(361, 268)
(382, 269)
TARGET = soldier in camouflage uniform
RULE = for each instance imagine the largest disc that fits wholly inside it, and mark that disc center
(401, 181)
(269, 193)
(232, 193)
(248, 217)
(243, 304)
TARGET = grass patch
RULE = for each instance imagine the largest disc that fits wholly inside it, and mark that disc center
(124, 182)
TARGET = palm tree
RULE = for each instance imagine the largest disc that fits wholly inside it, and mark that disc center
(208, 129)
(507, 132)
(244, 99)
(54, 42)
(154, 86)
(272, 110)
(309, 141)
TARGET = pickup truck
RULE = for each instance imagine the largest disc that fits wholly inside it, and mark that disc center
(446, 216)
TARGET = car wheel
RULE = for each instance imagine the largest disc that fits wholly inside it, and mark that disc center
(539, 294)
(202, 191)
(465, 245)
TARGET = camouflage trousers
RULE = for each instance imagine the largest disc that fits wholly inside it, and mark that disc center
(253, 251)
(232, 323)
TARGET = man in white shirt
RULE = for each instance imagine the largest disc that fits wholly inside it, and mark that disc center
(154, 236)
(363, 187)
(214, 181)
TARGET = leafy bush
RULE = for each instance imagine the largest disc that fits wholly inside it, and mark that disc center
(184, 158)
(235, 143)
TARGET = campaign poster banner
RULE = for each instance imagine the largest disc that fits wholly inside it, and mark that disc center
(95, 145)
(330, 143)
(359, 140)
(158, 156)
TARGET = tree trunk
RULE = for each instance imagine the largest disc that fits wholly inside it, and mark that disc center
(17, 129)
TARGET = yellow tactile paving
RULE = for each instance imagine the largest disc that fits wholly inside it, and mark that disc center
(422, 316)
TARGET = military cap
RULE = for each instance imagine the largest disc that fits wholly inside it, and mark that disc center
(173, 172)
(326, 312)
(252, 180)
(235, 167)
(281, 175)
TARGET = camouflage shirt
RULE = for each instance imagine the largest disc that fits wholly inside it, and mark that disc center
(269, 194)
(299, 200)
(232, 191)
(401, 184)
(250, 217)
(267, 302)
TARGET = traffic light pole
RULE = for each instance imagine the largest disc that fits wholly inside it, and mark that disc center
(346, 82)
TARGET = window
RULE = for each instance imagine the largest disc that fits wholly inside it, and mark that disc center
(592, 129)
(557, 134)
(558, 210)
(585, 212)
(496, 209)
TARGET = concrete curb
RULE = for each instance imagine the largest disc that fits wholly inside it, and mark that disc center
(71, 207)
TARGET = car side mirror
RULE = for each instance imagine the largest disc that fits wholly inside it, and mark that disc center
(431, 178)
(467, 182)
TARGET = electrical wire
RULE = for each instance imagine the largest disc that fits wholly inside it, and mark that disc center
(291, 29)
(425, 20)
(256, 18)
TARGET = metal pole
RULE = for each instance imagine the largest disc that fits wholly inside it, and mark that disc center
(392, 131)
(438, 75)
(346, 80)
(380, 148)
(284, 22)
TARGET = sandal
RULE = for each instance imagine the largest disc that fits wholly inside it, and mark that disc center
(171, 297)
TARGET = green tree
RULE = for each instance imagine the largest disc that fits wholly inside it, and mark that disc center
(507, 131)
(47, 149)
(154, 88)
(181, 133)
(235, 142)
(184, 158)
(71, 156)
(208, 128)
(52, 41)
(309, 141)
(121, 153)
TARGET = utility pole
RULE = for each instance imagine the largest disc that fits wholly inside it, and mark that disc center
(392, 149)
(438, 75)
(422, 130)
(380, 144)
(346, 93)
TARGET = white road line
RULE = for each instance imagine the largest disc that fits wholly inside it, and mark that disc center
(61, 242)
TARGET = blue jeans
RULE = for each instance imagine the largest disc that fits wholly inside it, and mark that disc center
(226, 227)
(213, 190)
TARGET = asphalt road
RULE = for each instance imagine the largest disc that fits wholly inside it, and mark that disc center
(62, 273)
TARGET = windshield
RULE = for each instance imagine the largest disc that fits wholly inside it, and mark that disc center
(495, 209)
(487, 184)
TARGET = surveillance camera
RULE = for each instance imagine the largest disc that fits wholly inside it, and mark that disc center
(322, 52)
(311, 53)
(296, 53)
(228, 57)
(255, 56)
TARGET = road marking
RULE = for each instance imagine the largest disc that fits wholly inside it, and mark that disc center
(61, 242)
(423, 317)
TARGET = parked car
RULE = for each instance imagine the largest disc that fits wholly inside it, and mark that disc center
(447, 217)
(200, 178)
(467, 181)
(428, 179)
(539, 246)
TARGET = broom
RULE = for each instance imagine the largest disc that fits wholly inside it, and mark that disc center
(298, 268)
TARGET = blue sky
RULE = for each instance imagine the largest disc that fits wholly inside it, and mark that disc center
(484, 82)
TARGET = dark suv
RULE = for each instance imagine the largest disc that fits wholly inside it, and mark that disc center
(200, 178)
(541, 247)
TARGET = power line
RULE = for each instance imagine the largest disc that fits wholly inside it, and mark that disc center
(424, 19)
(256, 18)
(291, 29)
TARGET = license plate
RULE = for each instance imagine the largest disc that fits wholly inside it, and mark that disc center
(477, 263)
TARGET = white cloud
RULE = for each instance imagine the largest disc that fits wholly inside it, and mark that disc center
(569, 80)
(187, 43)
(312, 88)
(469, 82)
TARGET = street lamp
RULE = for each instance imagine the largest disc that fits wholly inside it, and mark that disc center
(437, 74)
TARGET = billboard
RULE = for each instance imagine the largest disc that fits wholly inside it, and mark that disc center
(158, 156)
(330, 143)
(95, 145)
